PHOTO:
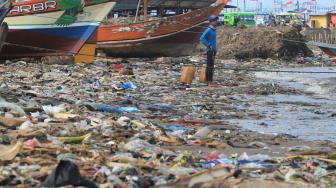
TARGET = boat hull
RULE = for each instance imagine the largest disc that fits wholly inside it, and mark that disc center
(328, 49)
(181, 43)
(4, 9)
(3, 34)
(169, 36)
(47, 41)
(37, 34)
(331, 52)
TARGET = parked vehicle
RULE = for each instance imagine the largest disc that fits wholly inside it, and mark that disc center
(240, 19)
(288, 19)
(262, 19)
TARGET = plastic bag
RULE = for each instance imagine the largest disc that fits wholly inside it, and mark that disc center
(67, 173)
(111, 109)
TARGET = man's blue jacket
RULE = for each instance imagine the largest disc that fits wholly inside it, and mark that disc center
(208, 38)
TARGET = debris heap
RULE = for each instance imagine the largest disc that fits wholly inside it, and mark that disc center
(261, 42)
(133, 125)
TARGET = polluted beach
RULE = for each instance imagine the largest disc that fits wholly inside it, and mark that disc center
(173, 93)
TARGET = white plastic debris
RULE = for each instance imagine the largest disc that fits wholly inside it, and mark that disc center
(26, 125)
(51, 110)
(14, 108)
(123, 121)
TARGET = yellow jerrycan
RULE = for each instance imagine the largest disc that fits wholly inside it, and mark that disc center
(188, 74)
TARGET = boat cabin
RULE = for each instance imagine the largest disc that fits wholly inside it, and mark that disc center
(156, 8)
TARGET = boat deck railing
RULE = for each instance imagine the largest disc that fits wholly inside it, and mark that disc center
(328, 39)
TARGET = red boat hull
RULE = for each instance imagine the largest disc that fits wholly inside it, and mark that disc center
(328, 49)
(181, 43)
(170, 36)
(330, 52)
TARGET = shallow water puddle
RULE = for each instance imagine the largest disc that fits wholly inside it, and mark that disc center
(310, 116)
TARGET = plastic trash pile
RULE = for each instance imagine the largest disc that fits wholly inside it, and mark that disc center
(92, 126)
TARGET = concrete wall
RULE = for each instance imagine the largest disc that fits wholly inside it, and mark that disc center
(319, 21)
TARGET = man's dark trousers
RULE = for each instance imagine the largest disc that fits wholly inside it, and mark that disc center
(210, 65)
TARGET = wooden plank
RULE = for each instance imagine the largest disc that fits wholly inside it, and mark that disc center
(86, 54)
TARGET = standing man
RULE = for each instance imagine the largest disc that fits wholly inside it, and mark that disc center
(208, 39)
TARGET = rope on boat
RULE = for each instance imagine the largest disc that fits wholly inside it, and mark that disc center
(34, 48)
(180, 23)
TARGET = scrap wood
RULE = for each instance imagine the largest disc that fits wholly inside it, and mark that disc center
(25, 133)
(9, 152)
(313, 153)
(204, 176)
(307, 157)
(169, 140)
(39, 159)
(267, 184)
(11, 122)
(327, 160)
(49, 149)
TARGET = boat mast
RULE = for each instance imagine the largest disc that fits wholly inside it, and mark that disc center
(145, 9)
(178, 10)
(137, 12)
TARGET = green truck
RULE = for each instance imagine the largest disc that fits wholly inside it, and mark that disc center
(240, 19)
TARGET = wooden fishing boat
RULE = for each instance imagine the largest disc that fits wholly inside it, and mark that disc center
(167, 36)
(328, 49)
(5, 7)
(52, 27)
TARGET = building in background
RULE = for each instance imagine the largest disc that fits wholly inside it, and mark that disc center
(332, 19)
(319, 20)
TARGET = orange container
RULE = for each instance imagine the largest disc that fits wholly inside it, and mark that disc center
(188, 74)
(202, 76)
